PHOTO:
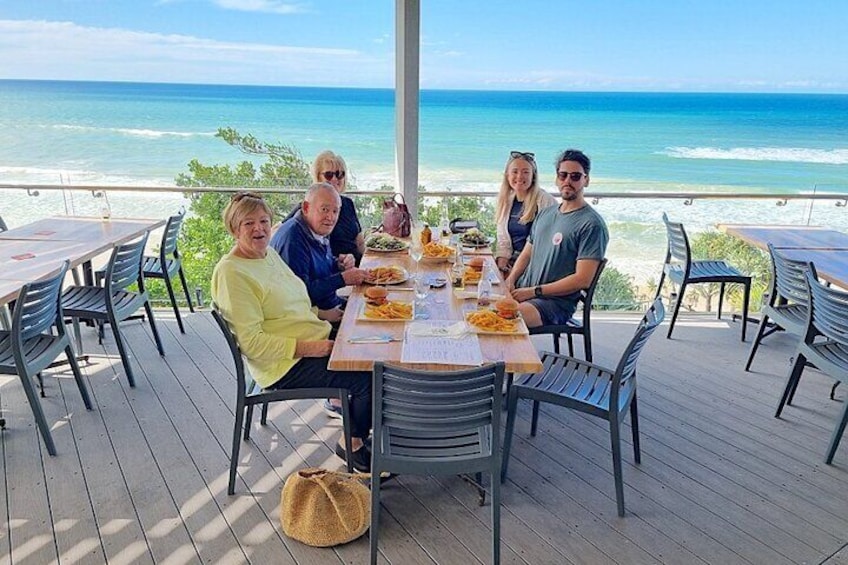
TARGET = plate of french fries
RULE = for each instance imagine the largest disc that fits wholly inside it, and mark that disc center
(486, 321)
(390, 311)
(387, 275)
(473, 276)
(436, 253)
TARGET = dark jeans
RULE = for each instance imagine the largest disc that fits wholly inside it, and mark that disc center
(312, 372)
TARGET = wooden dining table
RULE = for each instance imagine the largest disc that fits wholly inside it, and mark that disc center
(516, 351)
(827, 249)
(30, 252)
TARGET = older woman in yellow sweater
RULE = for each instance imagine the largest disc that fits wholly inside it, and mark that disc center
(268, 309)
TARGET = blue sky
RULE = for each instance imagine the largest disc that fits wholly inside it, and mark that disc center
(613, 45)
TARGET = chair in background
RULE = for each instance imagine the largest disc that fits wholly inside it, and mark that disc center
(436, 423)
(683, 271)
(248, 395)
(591, 389)
(113, 302)
(824, 345)
(458, 225)
(168, 264)
(36, 339)
(3, 226)
(788, 301)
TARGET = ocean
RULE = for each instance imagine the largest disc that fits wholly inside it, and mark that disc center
(79, 133)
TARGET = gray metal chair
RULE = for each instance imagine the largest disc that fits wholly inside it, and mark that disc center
(683, 271)
(167, 264)
(825, 345)
(591, 389)
(436, 423)
(248, 395)
(36, 339)
(114, 302)
(3, 226)
(788, 300)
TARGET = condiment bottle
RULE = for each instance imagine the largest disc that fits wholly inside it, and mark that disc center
(426, 235)
(484, 288)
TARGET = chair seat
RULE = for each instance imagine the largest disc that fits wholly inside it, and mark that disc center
(152, 266)
(706, 271)
(791, 317)
(572, 383)
(39, 350)
(830, 357)
(90, 302)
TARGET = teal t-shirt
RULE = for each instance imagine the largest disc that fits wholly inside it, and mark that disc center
(559, 240)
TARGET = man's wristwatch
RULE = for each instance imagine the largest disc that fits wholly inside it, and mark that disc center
(538, 292)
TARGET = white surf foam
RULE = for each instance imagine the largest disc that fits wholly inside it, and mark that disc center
(784, 154)
(136, 132)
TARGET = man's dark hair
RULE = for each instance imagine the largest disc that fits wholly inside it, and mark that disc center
(574, 155)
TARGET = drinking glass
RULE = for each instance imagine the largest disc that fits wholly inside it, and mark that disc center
(422, 290)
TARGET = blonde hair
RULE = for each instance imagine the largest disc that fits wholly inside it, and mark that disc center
(241, 204)
(329, 161)
(531, 201)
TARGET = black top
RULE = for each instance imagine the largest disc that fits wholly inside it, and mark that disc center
(517, 232)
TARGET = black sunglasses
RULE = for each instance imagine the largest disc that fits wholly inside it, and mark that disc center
(522, 155)
(328, 175)
(575, 176)
(245, 194)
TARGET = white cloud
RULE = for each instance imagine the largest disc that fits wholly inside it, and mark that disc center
(65, 50)
(267, 6)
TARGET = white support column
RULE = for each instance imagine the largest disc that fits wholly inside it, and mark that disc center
(407, 60)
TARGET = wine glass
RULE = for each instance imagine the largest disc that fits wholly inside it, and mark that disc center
(416, 248)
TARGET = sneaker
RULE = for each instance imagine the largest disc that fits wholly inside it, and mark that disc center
(332, 410)
(361, 458)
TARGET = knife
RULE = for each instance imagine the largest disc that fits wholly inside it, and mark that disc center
(373, 339)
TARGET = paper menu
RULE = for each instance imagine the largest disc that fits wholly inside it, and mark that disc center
(448, 348)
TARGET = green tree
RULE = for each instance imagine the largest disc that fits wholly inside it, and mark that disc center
(615, 291)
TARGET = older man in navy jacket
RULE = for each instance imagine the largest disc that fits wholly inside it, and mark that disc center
(303, 243)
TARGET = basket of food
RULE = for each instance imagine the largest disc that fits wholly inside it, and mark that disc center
(474, 238)
(378, 308)
(387, 275)
(385, 243)
(437, 253)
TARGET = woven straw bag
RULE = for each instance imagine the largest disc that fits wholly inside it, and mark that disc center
(324, 508)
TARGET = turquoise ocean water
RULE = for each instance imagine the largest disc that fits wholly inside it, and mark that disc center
(145, 134)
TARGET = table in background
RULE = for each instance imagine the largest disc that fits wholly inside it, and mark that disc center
(516, 351)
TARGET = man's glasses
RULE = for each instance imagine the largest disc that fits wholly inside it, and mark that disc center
(328, 175)
(246, 194)
(575, 176)
(522, 155)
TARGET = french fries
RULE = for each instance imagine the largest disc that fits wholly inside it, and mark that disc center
(385, 275)
(389, 311)
(471, 276)
(435, 250)
(488, 321)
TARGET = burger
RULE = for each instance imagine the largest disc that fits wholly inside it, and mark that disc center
(376, 295)
(476, 263)
(507, 308)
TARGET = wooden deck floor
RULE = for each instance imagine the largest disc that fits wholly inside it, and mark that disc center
(142, 477)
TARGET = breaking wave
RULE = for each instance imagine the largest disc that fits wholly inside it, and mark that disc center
(784, 154)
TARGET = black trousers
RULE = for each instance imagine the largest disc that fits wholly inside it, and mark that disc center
(312, 372)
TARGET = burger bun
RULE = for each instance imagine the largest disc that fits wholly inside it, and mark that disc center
(507, 308)
(476, 263)
(376, 295)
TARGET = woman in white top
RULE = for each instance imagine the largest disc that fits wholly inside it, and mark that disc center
(519, 200)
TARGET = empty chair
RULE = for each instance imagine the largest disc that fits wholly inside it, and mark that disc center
(37, 337)
(114, 302)
(248, 394)
(683, 271)
(788, 300)
(436, 423)
(591, 389)
(824, 345)
(3, 226)
(458, 225)
(168, 264)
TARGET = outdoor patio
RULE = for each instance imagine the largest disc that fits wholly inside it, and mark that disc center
(142, 477)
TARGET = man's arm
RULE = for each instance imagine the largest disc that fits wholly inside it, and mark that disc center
(579, 280)
(521, 263)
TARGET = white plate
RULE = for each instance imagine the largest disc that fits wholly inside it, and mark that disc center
(403, 278)
(361, 317)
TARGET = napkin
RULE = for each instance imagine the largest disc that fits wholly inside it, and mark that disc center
(428, 329)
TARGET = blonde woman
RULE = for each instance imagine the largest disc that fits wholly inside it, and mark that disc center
(519, 200)
(346, 238)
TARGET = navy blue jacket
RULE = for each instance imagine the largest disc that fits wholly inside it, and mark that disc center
(343, 236)
(310, 260)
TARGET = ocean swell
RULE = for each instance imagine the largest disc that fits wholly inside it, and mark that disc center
(153, 133)
(783, 154)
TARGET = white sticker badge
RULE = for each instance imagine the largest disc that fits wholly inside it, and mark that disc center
(557, 238)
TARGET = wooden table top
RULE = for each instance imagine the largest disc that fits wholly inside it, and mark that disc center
(518, 352)
(73, 228)
(787, 237)
(831, 264)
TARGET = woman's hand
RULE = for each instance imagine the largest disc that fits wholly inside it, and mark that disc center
(320, 348)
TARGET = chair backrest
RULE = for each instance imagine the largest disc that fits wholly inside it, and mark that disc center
(588, 295)
(39, 307)
(458, 225)
(678, 242)
(624, 379)
(124, 266)
(788, 280)
(3, 226)
(828, 312)
(235, 351)
(168, 247)
(436, 417)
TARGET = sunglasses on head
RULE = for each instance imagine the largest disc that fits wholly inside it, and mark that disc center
(575, 176)
(246, 194)
(328, 175)
(522, 155)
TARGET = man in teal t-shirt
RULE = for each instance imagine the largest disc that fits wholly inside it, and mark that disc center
(566, 245)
